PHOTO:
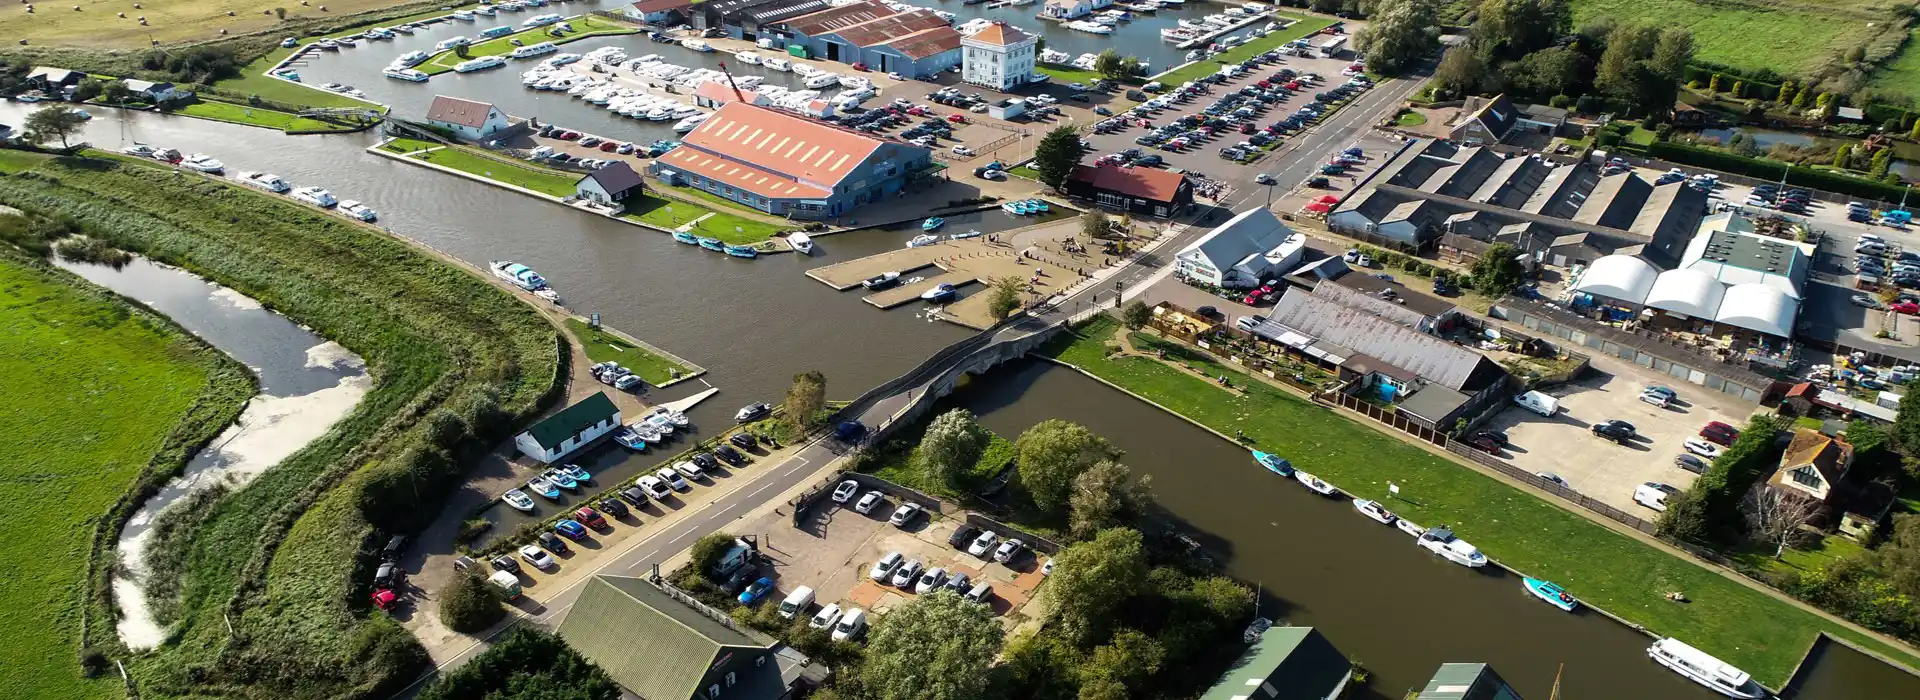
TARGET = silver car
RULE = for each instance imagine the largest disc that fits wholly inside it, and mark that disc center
(903, 575)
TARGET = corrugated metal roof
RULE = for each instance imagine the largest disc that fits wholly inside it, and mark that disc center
(837, 18)
(805, 152)
(1436, 360)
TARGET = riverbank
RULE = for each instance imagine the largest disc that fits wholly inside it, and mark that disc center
(1301, 26)
(262, 117)
(127, 399)
(1748, 628)
(267, 571)
(585, 26)
(657, 367)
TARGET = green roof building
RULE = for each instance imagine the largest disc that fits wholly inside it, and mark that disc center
(1467, 682)
(659, 646)
(1288, 663)
(570, 429)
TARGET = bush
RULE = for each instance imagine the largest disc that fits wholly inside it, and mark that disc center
(472, 529)
(1766, 169)
(93, 663)
(525, 664)
(470, 605)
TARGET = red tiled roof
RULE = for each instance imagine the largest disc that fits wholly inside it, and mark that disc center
(837, 18)
(652, 6)
(790, 147)
(926, 43)
(1146, 183)
(889, 28)
(453, 110)
(746, 177)
(1000, 34)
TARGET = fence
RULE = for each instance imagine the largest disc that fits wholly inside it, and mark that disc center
(1392, 418)
(1570, 495)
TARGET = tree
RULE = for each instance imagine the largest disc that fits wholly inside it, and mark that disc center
(470, 604)
(89, 89)
(935, 647)
(951, 446)
(51, 122)
(1498, 271)
(1547, 72)
(1774, 515)
(1899, 557)
(1104, 496)
(1093, 224)
(1059, 151)
(1461, 71)
(1201, 611)
(1905, 434)
(1124, 661)
(1786, 93)
(1042, 666)
(1800, 97)
(1135, 315)
(1882, 160)
(1052, 453)
(1915, 133)
(1842, 155)
(1514, 28)
(1004, 298)
(525, 664)
(117, 93)
(1745, 145)
(1685, 518)
(1399, 33)
(1713, 84)
(805, 400)
(1092, 579)
(1113, 66)
(708, 550)
(460, 50)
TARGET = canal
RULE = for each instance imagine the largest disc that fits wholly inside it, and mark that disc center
(1395, 608)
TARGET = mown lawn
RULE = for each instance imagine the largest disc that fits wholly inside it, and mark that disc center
(672, 214)
(1744, 626)
(542, 180)
(1786, 37)
(255, 116)
(605, 347)
(97, 388)
(1305, 26)
(1410, 119)
(584, 26)
(1066, 76)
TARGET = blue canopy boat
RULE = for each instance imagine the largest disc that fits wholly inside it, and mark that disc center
(687, 238)
(713, 244)
(579, 475)
(1550, 592)
(742, 251)
(1011, 207)
(1274, 463)
(560, 479)
(932, 222)
(542, 486)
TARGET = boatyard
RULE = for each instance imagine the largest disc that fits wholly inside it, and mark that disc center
(1034, 255)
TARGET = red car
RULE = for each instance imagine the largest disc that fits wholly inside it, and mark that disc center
(609, 146)
(862, 67)
(916, 111)
(957, 119)
(590, 518)
(385, 599)
(1719, 433)
(569, 135)
(1906, 307)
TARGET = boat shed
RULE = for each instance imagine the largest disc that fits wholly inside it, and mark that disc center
(1249, 248)
(656, 11)
(572, 428)
(1467, 682)
(915, 43)
(787, 165)
(611, 185)
(1285, 663)
(1143, 191)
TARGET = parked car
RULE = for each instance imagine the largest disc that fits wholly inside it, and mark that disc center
(1555, 478)
(537, 557)
(1009, 550)
(868, 502)
(1690, 463)
(959, 583)
(824, 619)
(884, 568)
(634, 495)
(852, 623)
(904, 514)
(1702, 447)
(845, 491)
(984, 544)
(552, 542)
(505, 563)
(672, 478)
(612, 507)
(1653, 495)
(654, 487)
(1616, 431)
(571, 530)
(962, 536)
(755, 591)
(930, 581)
(1655, 398)
(742, 441)
(589, 517)
(1719, 433)
(727, 454)
(905, 574)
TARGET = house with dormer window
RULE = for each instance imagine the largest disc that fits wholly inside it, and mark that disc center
(1818, 464)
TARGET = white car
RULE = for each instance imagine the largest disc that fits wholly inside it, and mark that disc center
(904, 514)
(867, 503)
(1703, 448)
(826, 617)
(962, 151)
(845, 491)
(983, 544)
(884, 568)
(1656, 398)
(852, 623)
(1008, 550)
(654, 487)
(537, 557)
(904, 574)
(930, 581)
(690, 470)
(1653, 495)
(673, 479)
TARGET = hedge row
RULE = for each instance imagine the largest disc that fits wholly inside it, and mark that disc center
(1803, 176)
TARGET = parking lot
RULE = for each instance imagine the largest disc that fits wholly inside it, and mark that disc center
(836, 551)
(1564, 444)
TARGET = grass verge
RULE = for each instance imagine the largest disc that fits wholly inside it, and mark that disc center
(127, 389)
(602, 346)
(466, 160)
(673, 213)
(584, 26)
(1068, 75)
(1748, 628)
(267, 583)
(1302, 26)
(256, 116)
(1410, 119)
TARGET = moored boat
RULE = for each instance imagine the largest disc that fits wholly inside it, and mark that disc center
(560, 479)
(924, 239)
(962, 236)
(748, 57)
(1702, 668)
(1408, 527)
(401, 73)
(1550, 592)
(1440, 540)
(801, 242)
(931, 223)
(542, 486)
(518, 499)
(940, 292)
(266, 181)
(479, 64)
(203, 163)
(1273, 462)
(357, 210)
(577, 473)
(316, 196)
(629, 439)
(520, 275)
(713, 244)
(1373, 509)
(742, 251)
(779, 64)
(881, 281)
(1313, 483)
(687, 238)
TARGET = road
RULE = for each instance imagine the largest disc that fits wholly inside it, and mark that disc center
(1290, 163)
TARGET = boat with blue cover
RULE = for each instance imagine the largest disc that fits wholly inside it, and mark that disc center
(561, 480)
(1550, 592)
(687, 238)
(932, 222)
(519, 275)
(1011, 208)
(542, 486)
(742, 251)
(713, 244)
(630, 439)
(1273, 462)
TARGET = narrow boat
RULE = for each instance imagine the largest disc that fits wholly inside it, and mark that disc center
(1550, 592)
(542, 486)
(203, 163)
(881, 281)
(1273, 462)
(1313, 483)
(520, 275)
(518, 499)
(742, 251)
(357, 210)
(266, 181)
(713, 244)
(561, 479)
(801, 242)
(962, 236)
(1374, 510)
(1704, 669)
(932, 222)
(924, 239)
(531, 50)
(316, 196)
(940, 292)
(402, 73)
(575, 472)
(1441, 541)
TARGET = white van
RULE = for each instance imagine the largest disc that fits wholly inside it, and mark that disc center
(852, 623)
(797, 602)
(1538, 403)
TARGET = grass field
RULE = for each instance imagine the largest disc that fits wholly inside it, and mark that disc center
(255, 116)
(538, 179)
(1791, 37)
(96, 25)
(110, 384)
(729, 228)
(1303, 27)
(456, 363)
(1748, 628)
(1902, 73)
(605, 347)
(584, 26)
(1066, 76)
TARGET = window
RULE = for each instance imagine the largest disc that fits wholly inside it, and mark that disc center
(1805, 477)
(713, 691)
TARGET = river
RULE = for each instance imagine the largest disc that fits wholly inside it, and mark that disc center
(307, 383)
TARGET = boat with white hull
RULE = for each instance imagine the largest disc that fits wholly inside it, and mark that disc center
(316, 196)
(266, 181)
(1702, 668)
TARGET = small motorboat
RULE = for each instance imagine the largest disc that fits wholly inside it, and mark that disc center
(357, 210)
(748, 57)
(1550, 592)
(403, 73)
(660, 423)
(548, 294)
(713, 244)
(630, 439)
(1374, 510)
(575, 472)
(963, 236)
(1441, 541)
(932, 223)
(544, 487)
(742, 251)
(316, 196)
(687, 238)
(752, 412)
(779, 64)
(560, 478)
(518, 499)
(1313, 483)
(881, 281)
(647, 433)
(266, 181)
(940, 292)
(139, 149)
(801, 242)
(520, 275)
(924, 239)
(675, 417)
(1408, 527)
(1273, 462)
(203, 163)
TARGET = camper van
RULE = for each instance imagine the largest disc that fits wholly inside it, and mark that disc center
(508, 584)
(1538, 403)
